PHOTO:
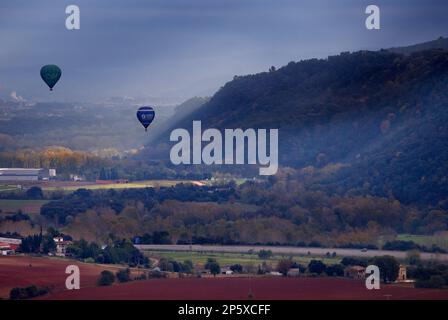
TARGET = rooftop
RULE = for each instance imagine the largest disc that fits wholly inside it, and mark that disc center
(20, 169)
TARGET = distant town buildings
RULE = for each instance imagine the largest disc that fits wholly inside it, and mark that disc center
(402, 274)
(9, 245)
(226, 271)
(26, 174)
(355, 272)
(75, 177)
(5, 249)
(61, 246)
(294, 272)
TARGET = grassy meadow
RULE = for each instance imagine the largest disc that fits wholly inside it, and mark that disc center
(227, 259)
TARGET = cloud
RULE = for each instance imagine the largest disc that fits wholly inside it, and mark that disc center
(184, 48)
(14, 96)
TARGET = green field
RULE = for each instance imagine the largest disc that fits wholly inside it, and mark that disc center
(227, 259)
(134, 185)
(425, 240)
(27, 206)
(5, 187)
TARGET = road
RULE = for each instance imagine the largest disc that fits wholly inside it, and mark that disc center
(290, 250)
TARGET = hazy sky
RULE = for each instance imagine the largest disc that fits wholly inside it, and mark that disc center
(178, 49)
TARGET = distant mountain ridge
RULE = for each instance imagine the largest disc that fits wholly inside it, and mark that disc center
(440, 43)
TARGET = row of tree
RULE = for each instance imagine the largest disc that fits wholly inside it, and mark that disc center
(120, 252)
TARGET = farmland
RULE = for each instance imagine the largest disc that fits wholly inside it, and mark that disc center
(227, 259)
(440, 239)
(5, 187)
(27, 206)
(72, 186)
(259, 288)
(290, 251)
(98, 186)
(22, 271)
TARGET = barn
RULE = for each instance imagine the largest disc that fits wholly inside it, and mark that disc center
(9, 245)
(26, 174)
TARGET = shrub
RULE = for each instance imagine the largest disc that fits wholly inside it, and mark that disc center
(27, 293)
(187, 266)
(156, 274)
(265, 254)
(401, 245)
(316, 266)
(388, 266)
(237, 268)
(349, 261)
(141, 277)
(335, 270)
(435, 282)
(284, 265)
(166, 265)
(214, 268)
(315, 244)
(34, 193)
(123, 275)
(106, 278)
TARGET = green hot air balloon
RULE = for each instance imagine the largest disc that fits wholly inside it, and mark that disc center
(51, 75)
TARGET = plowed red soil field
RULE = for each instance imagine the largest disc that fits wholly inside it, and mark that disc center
(21, 271)
(239, 288)
(15, 271)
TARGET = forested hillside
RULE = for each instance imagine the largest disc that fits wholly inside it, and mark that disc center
(380, 115)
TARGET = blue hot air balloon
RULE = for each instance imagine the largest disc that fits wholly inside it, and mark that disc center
(145, 115)
(51, 75)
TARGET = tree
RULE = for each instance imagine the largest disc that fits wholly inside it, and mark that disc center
(316, 266)
(103, 174)
(187, 266)
(237, 268)
(214, 268)
(114, 174)
(16, 294)
(161, 237)
(413, 257)
(388, 266)
(435, 281)
(106, 278)
(27, 293)
(284, 265)
(209, 262)
(48, 244)
(349, 261)
(166, 265)
(335, 270)
(34, 193)
(31, 244)
(52, 232)
(265, 254)
(123, 275)
(37, 244)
